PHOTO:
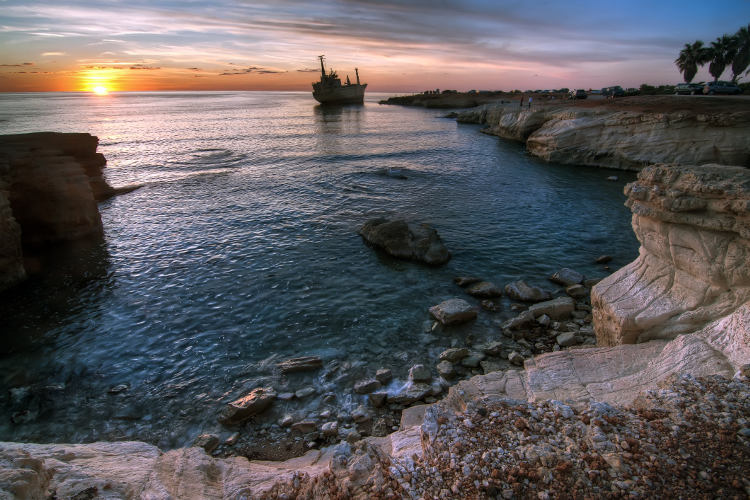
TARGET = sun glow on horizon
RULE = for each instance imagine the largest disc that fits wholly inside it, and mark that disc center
(99, 90)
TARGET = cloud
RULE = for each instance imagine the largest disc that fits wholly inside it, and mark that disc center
(252, 69)
(47, 54)
(17, 65)
(142, 66)
(309, 70)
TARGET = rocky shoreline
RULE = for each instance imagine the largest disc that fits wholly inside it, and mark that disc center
(534, 413)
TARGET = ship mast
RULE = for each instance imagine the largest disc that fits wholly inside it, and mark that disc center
(356, 70)
(322, 68)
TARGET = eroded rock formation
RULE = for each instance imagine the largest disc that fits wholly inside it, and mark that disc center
(50, 184)
(694, 227)
(628, 140)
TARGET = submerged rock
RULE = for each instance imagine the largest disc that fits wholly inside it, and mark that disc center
(406, 240)
(257, 401)
(567, 277)
(484, 289)
(464, 281)
(453, 311)
(519, 290)
(301, 364)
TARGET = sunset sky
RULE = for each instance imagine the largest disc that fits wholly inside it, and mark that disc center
(399, 46)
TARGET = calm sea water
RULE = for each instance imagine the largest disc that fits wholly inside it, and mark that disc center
(241, 250)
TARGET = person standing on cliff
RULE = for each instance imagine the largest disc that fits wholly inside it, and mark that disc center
(530, 99)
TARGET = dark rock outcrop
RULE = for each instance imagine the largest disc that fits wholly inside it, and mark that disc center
(50, 184)
(406, 240)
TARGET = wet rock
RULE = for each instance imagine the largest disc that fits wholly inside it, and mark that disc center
(304, 427)
(588, 283)
(409, 393)
(383, 375)
(567, 277)
(361, 415)
(520, 290)
(454, 354)
(366, 386)
(577, 291)
(208, 442)
(286, 421)
(453, 311)
(523, 319)
(567, 339)
(285, 396)
(232, 440)
(257, 401)
(463, 281)
(420, 373)
(472, 360)
(117, 389)
(558, 308)
(484, 289)
(488, 305)
(516, 358)
(330, 429)
(493, 348)
(544, 320)
(304, 363)
(405, 240)
(603, 259)
(377, 399)
(445, 369)
(305, 392)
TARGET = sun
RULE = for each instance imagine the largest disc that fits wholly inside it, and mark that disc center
(100, 90)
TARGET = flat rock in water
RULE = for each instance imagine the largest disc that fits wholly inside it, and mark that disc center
(577, 291)
(484, 289)
(567, 277)
(366, 386)
(453, 311)
(454, 354)
(466, 280)
(558, 308)
(301, 364)
(406, 240)
(409, 393)
(257, 401)
(520, 290)
(383, 375)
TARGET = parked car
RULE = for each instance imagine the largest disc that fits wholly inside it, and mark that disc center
(720, 87)
(615, 91)
(689, 88)
(577, 94)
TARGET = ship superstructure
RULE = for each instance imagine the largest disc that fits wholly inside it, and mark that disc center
(330, 90)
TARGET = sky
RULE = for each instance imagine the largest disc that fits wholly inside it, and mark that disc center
(398, 46)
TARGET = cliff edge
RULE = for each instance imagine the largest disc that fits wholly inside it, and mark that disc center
(619, 137)
(50, 184)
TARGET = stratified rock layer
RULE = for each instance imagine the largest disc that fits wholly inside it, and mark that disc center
(49, 187)
(694, 227)
(628, 140)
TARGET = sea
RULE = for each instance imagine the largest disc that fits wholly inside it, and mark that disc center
(241, 250)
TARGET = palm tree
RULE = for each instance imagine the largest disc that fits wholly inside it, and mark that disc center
(720, 54)
(741, 59)
(691, 56)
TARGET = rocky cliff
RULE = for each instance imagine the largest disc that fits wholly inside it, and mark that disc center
(694, 227)
(622, 139)
(50, 184)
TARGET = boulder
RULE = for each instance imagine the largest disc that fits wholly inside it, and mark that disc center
(445, 369)
(377, 399)
(301, 364)
(406, 240)
(420, 373)
(492, 348)
(484, 289)
(208, 442)
(577, 291)
(516, 358)
(520, 321)
(366, 386)
(383, 375)
(567, 277)
(410, 392)
(330, 429)
(453, 311)
(305, 426)
(559, 308)
(567, 339)
(255, 402)
(454, 354)
(519, 290)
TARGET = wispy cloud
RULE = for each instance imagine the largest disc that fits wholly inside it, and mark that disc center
(49, 54)
(252, 69)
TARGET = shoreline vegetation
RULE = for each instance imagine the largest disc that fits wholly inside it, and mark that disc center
(548, 411)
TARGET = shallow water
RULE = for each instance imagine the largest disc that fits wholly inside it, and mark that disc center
(241, 250)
